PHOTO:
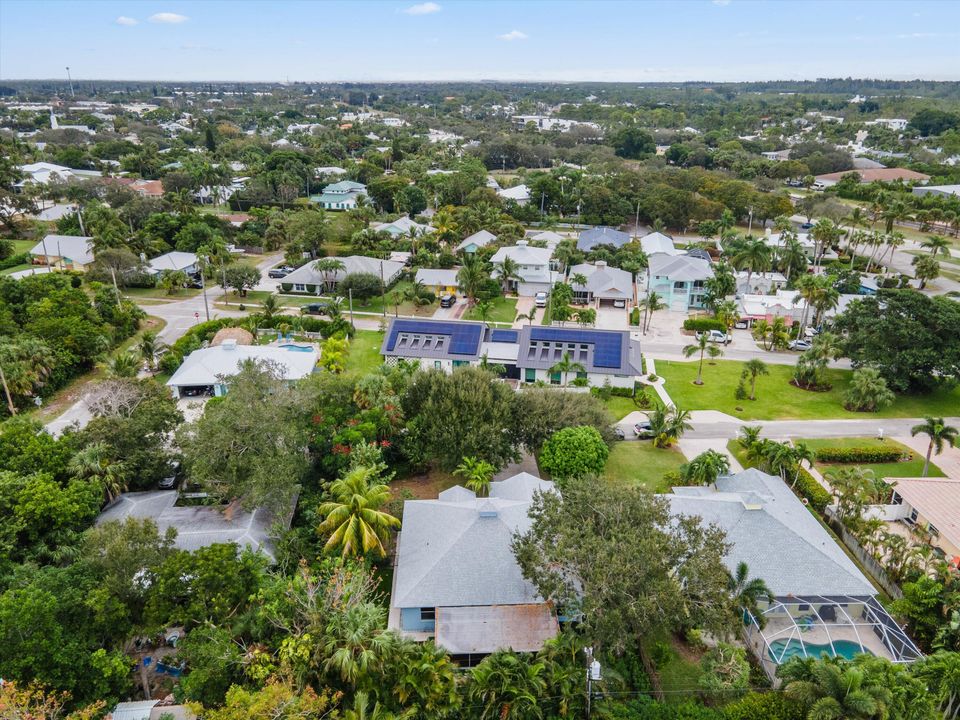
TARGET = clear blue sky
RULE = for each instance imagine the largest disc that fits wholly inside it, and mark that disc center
(716, 40)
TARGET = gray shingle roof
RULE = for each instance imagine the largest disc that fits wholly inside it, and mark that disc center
(604, 281)
(455, 550)
(589, 239)
(775, 534)
(680, 268)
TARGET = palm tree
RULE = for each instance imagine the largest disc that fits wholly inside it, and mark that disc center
(705, 468)
(328, 267)
(824, 234)
(828, 690)
(270, 307)
(508, 686)
(801, 453)
(508, 272)
(652, 304)
(940, 434)
(353, 519)
(477, 472)
(868, 391)
(123, 365)
(566, 366)
(749, 435)
(702, 345)
(527, 317)
(925, 268)
(362, 709)
(150, 347)
(747, 592)
(94, 464)
(483, 310)
(668, 424)
(754, 368)
(755, 256)
(471, 277)
(356, 641)
(792, 257)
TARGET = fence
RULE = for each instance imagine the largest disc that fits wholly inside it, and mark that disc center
(870, 564)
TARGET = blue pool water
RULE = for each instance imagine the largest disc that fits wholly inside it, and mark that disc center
(842, 648)
(297, 348)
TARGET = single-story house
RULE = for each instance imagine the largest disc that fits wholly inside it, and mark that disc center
(478, 240)
(68, 252)
(198, 526)
(205, 371)
(55, 212)
(328, 170)
(932, 504)
(875, 175)
(784, 303)
(943, 190)
(43, 173)
(438, 281)
(657, 242)
(340, 196)
(175, 260)
(679, 279)
(456, 581)
(534, 271)
(520, 194)
(605, 285)
(607, 356)
(307, 279)
(759, 283)
(548, 237)
(402, 226)
(821, 602)
(437, 344)
(589, 239)
(143, 188)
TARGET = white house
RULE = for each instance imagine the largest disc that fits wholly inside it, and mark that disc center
(68, 252)
(44, 173)
(175, 260)
(533, 268)
(657, 242)
(402, 226)
(478, 240)
(520, 194)
(605, 285)
(205, 371)
(307, 279)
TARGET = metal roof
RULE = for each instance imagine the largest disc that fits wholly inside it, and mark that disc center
(208, 366)
(589, 239)
(599, 351)
(437, 339)
(486, 629)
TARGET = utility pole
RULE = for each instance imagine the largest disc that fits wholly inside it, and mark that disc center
(350, 296)
(593, 674)
(383, 293)
(636, 222)
(6, 390)
(113, 274)
(203, 287)
(70, 80)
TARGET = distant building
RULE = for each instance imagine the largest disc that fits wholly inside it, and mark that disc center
(944, 190)
(657, 242)
(402, 226)
(479, 239)
(520, 194)
(589, 239)
(340, 196)
(66, 252)
(307, 279)
(874, 175)
(605, 285)
(44, 173)
(175, 261)
(439, 281)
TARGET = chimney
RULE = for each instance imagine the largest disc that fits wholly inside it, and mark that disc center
(230, 344)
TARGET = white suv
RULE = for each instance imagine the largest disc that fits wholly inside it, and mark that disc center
(540, 299)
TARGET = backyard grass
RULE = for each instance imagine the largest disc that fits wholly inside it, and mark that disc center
(640, 463)
(907, 468)
(160, 293)
(777, 399)
(678, 665)
(364, 355)
(502, 310)
(16, 268)
(620, 407)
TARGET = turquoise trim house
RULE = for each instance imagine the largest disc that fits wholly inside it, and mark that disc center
(679, 279)
(340, 196)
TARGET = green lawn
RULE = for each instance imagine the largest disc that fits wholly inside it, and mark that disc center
(777, 399)
(908, 468)
(16, 268)
(22, 246)
(639, 462)
(620, 407)
(502, 310)
(364, 356)
(158, 292)
(678, 665)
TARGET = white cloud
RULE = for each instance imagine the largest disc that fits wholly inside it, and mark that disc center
(513, 35)
(424, 8)
(168, 18)
(124, 20)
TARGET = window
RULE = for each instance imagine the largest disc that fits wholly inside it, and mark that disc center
(436, 364)
(896, 500)
(458, 363)
(679, 286)
(530, 375)
(698, 284)
(932, 529)
(299, 287)
(581, 376)
(428, 613)
(555, 378)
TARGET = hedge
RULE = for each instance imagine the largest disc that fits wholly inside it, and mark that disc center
(14, 260)
(863, 455)
(635, 316)
(700, 324)
(812, 491)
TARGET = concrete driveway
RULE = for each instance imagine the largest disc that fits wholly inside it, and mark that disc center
(454, 312)
(611, 318)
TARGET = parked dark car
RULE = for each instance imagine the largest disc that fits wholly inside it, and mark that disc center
(194, 282)
(279, 272)
(172, 477)
(320, 308)
(448, 300)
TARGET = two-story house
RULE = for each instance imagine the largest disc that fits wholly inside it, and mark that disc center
(679, 280)
(534, 273)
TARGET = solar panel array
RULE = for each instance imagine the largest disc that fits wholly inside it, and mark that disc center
(607, 347)
(504, 336)
(464, 337)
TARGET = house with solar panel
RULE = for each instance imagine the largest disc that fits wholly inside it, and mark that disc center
(456, 581)
(340, 196)
(527, 354)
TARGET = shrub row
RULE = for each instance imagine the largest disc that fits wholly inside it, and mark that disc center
(635, 316)
(812, 491)
(14, 260)
(699, 324)
(860, 454)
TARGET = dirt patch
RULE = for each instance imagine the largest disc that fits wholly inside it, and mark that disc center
(685, 651)
(422, 486)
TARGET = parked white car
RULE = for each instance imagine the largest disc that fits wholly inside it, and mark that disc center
(715, 336)
(540, 299)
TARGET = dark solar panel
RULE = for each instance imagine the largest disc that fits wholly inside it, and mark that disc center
(504, 336)
(607, 347)
(464, 337)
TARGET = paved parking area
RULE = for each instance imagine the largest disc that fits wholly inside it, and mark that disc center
(611, 318)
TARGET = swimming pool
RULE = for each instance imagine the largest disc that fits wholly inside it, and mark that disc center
(783, 650)
(297, 348)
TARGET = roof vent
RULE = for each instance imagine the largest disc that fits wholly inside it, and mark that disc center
(488, 509)
(229, 344)
(522, 243)
(600, 264)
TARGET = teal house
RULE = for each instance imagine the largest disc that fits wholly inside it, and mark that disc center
(679, 279)
(340, 196)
